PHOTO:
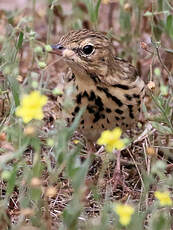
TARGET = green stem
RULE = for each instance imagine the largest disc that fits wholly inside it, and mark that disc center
(163, 112)
(33, 13)
(50, 20)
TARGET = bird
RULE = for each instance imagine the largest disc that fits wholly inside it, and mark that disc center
(107, 86)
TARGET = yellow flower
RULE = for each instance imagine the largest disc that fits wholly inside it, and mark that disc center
(76, 141)
(31, 106)
(164, 198)
(111, 139)
(124, 211)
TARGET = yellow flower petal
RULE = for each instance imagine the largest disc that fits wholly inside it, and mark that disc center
(164, 198)
(111, 139)
(124, 212)
(125, 220)
(31, 106)
(117, 132)
(119, 144)
(109, 148)
(105, 137)
(76, 141)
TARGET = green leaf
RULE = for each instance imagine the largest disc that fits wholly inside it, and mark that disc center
(75, 123)
(97, 8)
(158, 167)
(15, 89)
(161, 128)
(121, 3)
(169, 22)
(20, 41)
(79, 177)
(93, 9)
(71, 214)
(160, 5)
(160, 221)
(12, 181)
(36, 194)
(157, 29)
(169, 25)
(125, 20)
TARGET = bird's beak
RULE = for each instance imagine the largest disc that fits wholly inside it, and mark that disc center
(57, 49)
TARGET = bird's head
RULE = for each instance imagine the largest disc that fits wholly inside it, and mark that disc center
(85, 50)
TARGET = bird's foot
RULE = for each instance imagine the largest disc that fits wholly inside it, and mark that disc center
(117, 178)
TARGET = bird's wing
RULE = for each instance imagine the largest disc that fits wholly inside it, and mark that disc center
(124, 82)
(124, 75)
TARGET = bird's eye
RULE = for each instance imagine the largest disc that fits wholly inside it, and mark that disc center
(88, 49)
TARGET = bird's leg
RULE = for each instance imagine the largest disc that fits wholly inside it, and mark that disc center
(117, 176)
(117, 173)
(90, 147)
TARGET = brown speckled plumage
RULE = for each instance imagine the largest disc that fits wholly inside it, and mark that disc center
(108, 87)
